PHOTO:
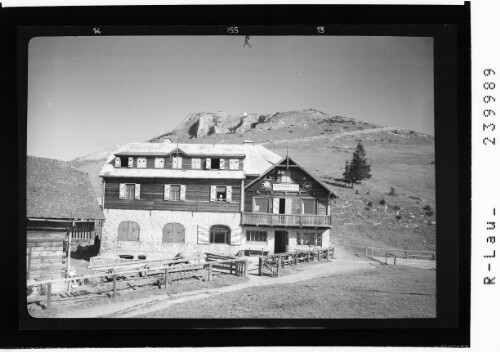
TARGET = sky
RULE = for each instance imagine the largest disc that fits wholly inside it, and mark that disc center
(90, 93)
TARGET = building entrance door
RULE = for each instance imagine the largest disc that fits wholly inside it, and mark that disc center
(280, 241)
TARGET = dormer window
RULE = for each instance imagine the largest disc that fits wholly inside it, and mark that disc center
(177, 162)
(159, 163)
(234, 164)
(141, 163)
(195, 163)
(130, 162)
(118, 162)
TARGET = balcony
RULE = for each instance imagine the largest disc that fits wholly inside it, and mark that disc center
(262, 219)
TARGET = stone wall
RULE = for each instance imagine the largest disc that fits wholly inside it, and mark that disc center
(151, 233)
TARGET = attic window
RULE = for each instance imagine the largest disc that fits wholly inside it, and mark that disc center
(141, 163)
(215, 164)
(286, 176)
(124, 161)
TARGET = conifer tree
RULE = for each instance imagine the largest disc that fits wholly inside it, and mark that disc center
(358, 169)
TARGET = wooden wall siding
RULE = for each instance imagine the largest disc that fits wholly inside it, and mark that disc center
(299, 177)
(46, 256)
(186, 162)
(197, 195)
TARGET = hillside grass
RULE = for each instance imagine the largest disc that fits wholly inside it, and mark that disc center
(387, 292)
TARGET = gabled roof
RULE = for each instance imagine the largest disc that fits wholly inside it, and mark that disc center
(289, 161)
(55, 190)
(257, 159)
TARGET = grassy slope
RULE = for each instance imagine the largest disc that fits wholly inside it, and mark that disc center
(387, 292)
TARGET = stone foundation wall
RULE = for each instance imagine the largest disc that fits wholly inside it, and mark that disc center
(151, 233)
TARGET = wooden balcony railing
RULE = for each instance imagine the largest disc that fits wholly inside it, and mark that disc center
(286, 220)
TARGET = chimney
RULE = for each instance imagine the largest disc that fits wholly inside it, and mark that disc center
(248, 142)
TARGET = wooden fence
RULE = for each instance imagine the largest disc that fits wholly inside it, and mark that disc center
(399, 253)
(238, 267)
(276, 261)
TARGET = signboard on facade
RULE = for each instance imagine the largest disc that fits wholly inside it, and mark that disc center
(288, 187)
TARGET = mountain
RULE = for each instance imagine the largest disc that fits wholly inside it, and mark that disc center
(400, 158)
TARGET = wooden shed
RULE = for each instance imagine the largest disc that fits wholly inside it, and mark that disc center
(61, 207)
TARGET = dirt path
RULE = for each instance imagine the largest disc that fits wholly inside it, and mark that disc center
(342, 263)
(335, 136)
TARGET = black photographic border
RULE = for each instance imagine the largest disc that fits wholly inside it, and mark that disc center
(450, 28)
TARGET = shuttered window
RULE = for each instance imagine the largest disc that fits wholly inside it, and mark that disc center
(159, 163)
(118, 162)
(128, 231)
(174, 233)
(130, 162)
(234, 164)
(177, 162)
(130, 191)
(174, 192)
(141, 163)
(221, 193)
(196, 163)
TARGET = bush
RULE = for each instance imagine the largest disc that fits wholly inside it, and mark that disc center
(392, 192)
(382, 201)
(429, 213)
(396, 207)
(427, 207)
(370, 203)
(398, 216)
(357, 192)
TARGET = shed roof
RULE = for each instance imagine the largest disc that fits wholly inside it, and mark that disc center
(56, 190)
(257, 158)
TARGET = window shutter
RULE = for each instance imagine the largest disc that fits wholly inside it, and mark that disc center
(122, 190)
(118, 162)
(166, 192)
(288, 205)
(236, 236)
(208, 164)
(276, 205)
(213, 193)
(130, 162)
(174, 163)
(179, 162)
(229, 194)
(203, 235)
(183, 192)
(222, 164)
(137, 191)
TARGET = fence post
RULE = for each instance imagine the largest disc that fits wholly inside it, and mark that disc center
(386, 258)
(49, 294)
(209, 272)
(296, 258)
(260, 266)
(246, 267)
(114, 285)
(394, 260)
(406, 254)
(166, 279)
(366, 251)
(308, 254)
(278, 266)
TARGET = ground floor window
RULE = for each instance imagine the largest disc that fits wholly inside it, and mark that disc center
(174, 233)
(256, 236)
(220, 234)
(128, 231)
(309, 239)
